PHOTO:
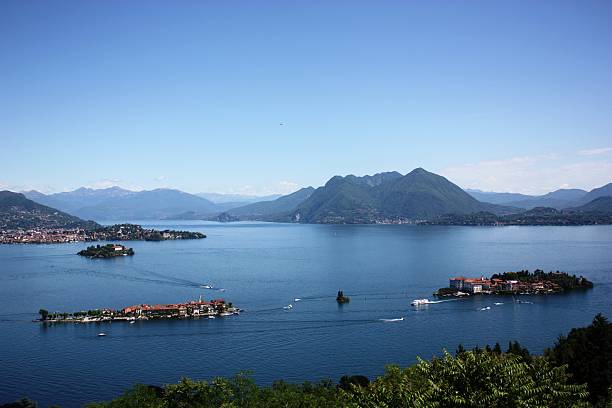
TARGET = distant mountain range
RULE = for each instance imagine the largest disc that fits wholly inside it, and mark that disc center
(600, 204)
(381, 198)
(118, 204)
(115, 203)
(558, 199)
(595, 212)
(270, 210)
(16, 211)
(239, 199)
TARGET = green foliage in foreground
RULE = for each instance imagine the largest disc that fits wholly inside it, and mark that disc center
(472, 379)
(587, 351)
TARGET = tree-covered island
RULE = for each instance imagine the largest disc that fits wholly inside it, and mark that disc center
(106, 251)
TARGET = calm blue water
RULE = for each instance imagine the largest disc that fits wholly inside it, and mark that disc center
(263, 268)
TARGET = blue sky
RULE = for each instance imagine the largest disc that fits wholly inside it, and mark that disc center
(500, 95)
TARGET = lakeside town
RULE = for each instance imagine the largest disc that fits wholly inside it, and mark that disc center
(188, 310)
(514, 283)
(119, 232)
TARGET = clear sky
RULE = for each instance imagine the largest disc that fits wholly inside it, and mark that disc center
(497, 95)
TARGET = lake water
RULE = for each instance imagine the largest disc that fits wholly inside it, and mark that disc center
(263, 267)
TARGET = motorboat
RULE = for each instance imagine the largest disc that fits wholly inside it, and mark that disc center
(399, 319)
(420, 302)
(101, 334)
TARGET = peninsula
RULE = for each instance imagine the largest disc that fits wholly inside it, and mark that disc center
(189, 310)
(515, 283)
(106, 251)
(22, 221)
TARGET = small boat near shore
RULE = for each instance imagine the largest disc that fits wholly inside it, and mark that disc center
(420, 302)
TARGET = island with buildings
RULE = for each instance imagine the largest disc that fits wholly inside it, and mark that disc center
(522, 282)
(189, 310)
(106, 251)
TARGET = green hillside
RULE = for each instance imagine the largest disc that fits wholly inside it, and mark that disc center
(388, 197)
(17, 212)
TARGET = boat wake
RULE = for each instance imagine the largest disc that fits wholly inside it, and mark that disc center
(399, 319)
(422, 302)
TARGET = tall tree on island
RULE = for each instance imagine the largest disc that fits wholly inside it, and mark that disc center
(43, 314)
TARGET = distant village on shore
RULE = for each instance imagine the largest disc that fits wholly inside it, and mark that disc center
(119, 232)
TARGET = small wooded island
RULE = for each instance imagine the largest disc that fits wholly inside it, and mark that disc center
(341, 298)
(515, 283)
(106, 251)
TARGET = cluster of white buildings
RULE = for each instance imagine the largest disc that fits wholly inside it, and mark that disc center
(484, 285)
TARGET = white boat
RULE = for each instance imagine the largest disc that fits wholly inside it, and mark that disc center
(101, 334)
(211, 316)
(420, 302)
(297, 299)
(399, 319)
(289, 306)
(206, 286)
(132, 321)
(225, 314)
(486, 308)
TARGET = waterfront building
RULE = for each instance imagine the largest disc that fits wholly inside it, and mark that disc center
(193, 308)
